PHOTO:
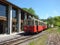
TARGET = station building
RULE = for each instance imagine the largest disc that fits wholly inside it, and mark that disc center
(11, 17)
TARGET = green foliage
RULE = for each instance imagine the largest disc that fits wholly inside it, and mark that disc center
(50, 20)
(25, 9)
(36, 16)
(32, 43)
(30, 10)
(54, 20)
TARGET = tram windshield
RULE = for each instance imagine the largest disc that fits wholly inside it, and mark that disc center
(29, 22)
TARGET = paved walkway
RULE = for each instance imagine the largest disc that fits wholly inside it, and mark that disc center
(8, 37)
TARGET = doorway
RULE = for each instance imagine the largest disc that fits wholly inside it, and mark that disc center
(1, 28)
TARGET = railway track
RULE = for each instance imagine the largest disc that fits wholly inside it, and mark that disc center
(10, 41)
(21, 39)
(30, 38)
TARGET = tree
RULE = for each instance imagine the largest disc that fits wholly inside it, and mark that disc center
(30, 10)
(25, 9)
(57, 20)
(54, 20)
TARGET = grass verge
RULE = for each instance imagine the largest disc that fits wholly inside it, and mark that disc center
(39, 41)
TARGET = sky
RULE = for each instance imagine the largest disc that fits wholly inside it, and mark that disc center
(43, 8)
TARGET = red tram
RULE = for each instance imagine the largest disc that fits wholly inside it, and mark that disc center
(34, 26)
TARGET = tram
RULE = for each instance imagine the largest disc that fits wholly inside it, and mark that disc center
(33, 25)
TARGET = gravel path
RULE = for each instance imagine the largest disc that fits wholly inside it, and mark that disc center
(53, 39)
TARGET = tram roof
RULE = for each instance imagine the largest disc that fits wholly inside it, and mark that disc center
(40, 21)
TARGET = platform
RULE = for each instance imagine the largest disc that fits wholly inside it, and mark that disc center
(4, 37)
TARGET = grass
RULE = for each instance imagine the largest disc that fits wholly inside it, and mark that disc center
(42, 40)
(49, 30)
(32, 43)
(58, 30)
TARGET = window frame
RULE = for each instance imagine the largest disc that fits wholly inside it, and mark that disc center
(6, 11)
(16, 14)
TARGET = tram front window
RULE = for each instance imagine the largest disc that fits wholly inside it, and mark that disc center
(29, 22)
(25, 22)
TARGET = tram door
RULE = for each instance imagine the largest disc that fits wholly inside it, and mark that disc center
(1, 28)
(36, 23)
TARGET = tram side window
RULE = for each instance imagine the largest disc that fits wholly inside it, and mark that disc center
(36, 23)
(40, 23)
(43, 24)
(30, 23)
(3, 10)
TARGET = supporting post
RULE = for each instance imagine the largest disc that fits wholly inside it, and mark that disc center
(25, 16)
(19, 21)
(10, 20)
(29, 17)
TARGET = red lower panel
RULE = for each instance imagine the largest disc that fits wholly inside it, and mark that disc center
(31, 29)
(40, 28)
(35, 29)
(25, 28)
(44, 27)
